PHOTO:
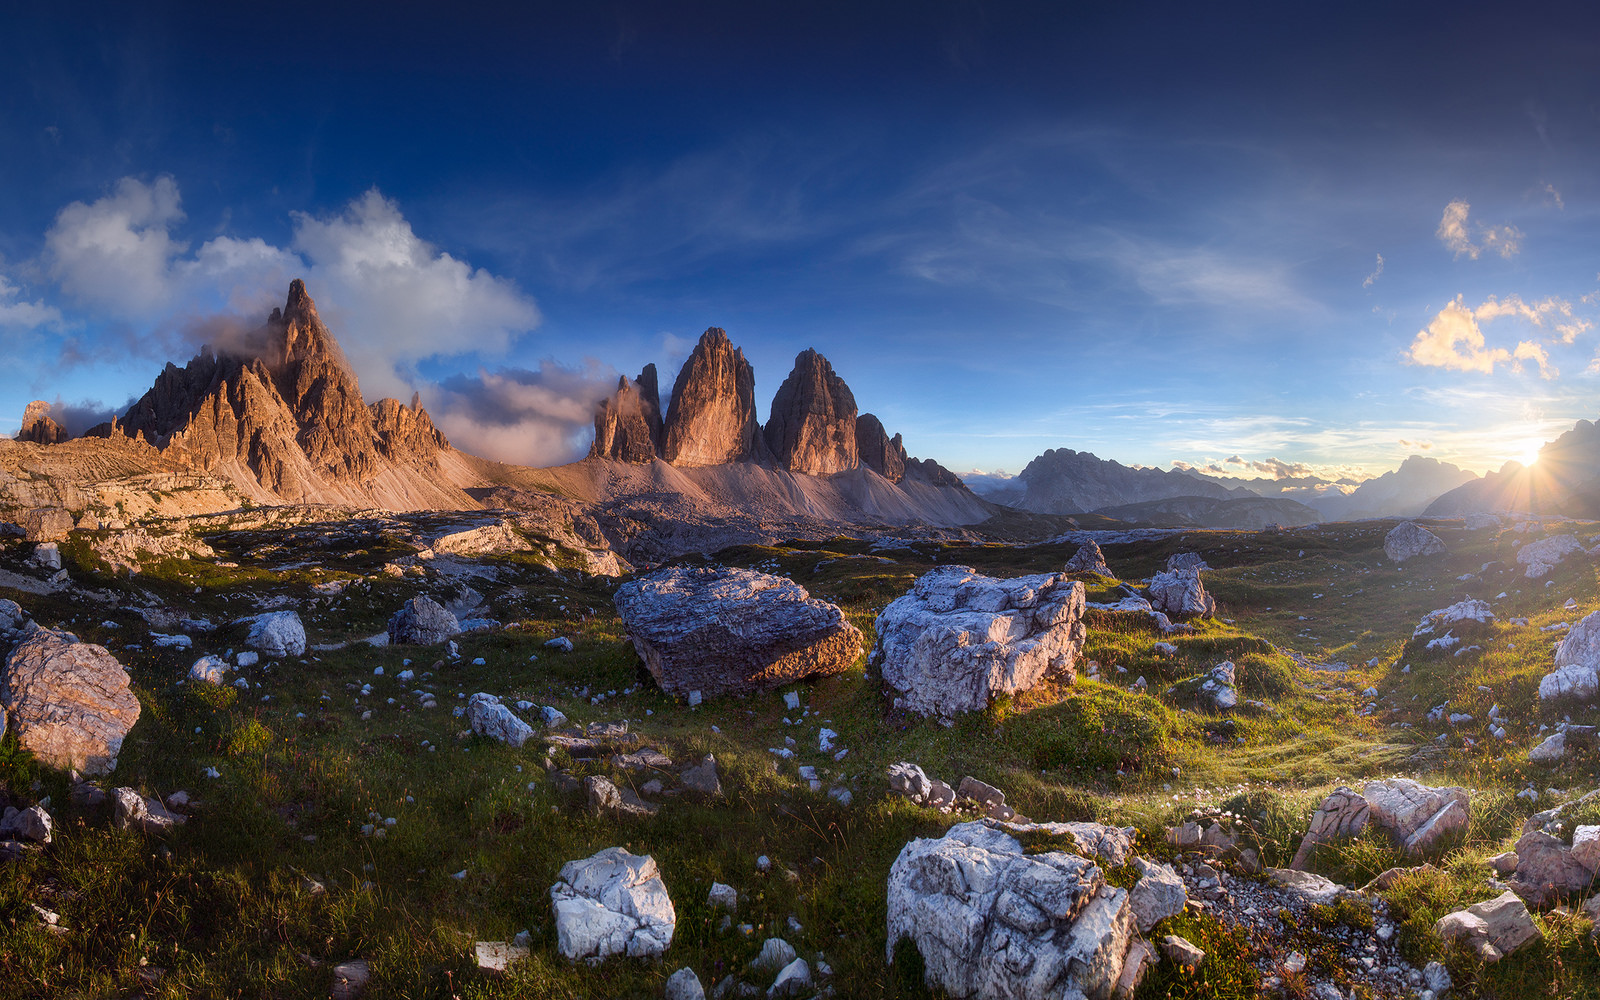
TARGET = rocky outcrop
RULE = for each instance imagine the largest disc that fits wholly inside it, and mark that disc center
(991, 921)
(628, 424)
(812, 427)
(488, 717)
(277, 634)
(1180, 595)
(722, 631)
(1410, 540)
(1491, 929)
(68, 701)
(1089, 559)
(1544, 555)
(284, 410)
(712, 417)
(422, 621)
(957, 639)
(878, 451)
(613, 903)
(38, 427)
(46, 524)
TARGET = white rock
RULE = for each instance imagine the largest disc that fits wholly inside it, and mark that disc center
(488, 717)
(1551, 750)
(1586, 847)
(793, 980)
(1416, 815)
(1410, 540)
(32, 824)
(209, 670)
(958, 639)
(1180, 595)
(776, 953)
(1544, 555)
(249, 658)
(1157, 895)
(277, 634)
(498, 956)
(1492, 929)
(684, 985)
(613, 903)
(724, 897)
(69, 702)
(560, 643)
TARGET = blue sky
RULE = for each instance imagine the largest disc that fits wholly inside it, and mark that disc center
(1148, 231)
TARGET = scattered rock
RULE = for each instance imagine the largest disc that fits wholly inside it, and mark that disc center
(350, 978)
(724, 897)
(133, 811)
(1544, 555)
(488, 717)
(684, 984)
(1576, 676)
(498, 956)
(992, 921)
(277, 634)
(776, 953)
(1546, 868)
(31, 824)
(1157, 895)
(907, 779)
(1551, 750)
(1182, 952)
(422, 621)
(68, 701)
(1341, 815)
(612, 903)
(958, 639)
(210, 670)
(1409, 540)
(1312, 887)
(723, 631)
(793, 980)
(1492, 929)
(1181, 561)
(702, 777)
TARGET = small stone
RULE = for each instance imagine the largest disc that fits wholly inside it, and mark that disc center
(1181, 951)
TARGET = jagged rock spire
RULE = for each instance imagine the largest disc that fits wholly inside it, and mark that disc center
(812, 427)
(712, 417)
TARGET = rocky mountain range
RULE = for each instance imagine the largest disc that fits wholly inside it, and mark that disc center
(1564, 481)
(1063, 481)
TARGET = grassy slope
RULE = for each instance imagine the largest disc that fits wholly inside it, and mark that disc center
(220, 904)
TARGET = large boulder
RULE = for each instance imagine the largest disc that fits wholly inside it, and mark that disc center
(724, 631)
(1547, 868)
(1157, 895)
(46, 524)
(992, 921)
(1180, 595)
(1089, 559)
(277, 634)
(68, 701)
(422, 621)
(613, 903)
(1417, 816)
(957, 639)
(1410, 540)
(1576, 673)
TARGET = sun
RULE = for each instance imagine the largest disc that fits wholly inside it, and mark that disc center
(1530, 451)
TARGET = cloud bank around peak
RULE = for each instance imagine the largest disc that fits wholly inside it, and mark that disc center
(521, 416)
(391, 297)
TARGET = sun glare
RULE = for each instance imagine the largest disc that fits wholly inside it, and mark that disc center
(1530, 451)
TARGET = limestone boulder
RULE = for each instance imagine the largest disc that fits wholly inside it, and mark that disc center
(1180, 595)
(422, 621)
(1417, 816)
(1547, 867)
(1542, 556)
(1089, 559)
(210, 670)
(277, 634)
(1410, 540)
(1576, 673)
(1341, 815)
(1491, 929)
(1157, 895)
(68, 701)
(46, 524)
(488, 717)
(958, 639)
(725, 631)
(132, 811)
(992, 921)
(612, 903)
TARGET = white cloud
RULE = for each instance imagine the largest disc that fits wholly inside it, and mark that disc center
(390, 297)
(1377, 272)
(542, 417)
(1455, 232)
(17, 314)
(1454, 340)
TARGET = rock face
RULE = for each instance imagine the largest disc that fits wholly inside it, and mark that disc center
(993, 922)
(721, 631)
(1410, 540)
(37, 425)
(1415, 815)
(1089, 559)
(957, 639)
(46, 524)
(613, 903)
(282, 413)
(712, 417)
(628, 425)
(878, 451)
(422, 621)
(812, 427)
(1180, 595)
(68, 701)
(277, 634)
(1576, 676)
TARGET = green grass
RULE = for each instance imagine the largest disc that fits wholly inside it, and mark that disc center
(220, 904)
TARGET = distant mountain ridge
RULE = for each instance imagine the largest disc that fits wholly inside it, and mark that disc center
(1564, 481)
